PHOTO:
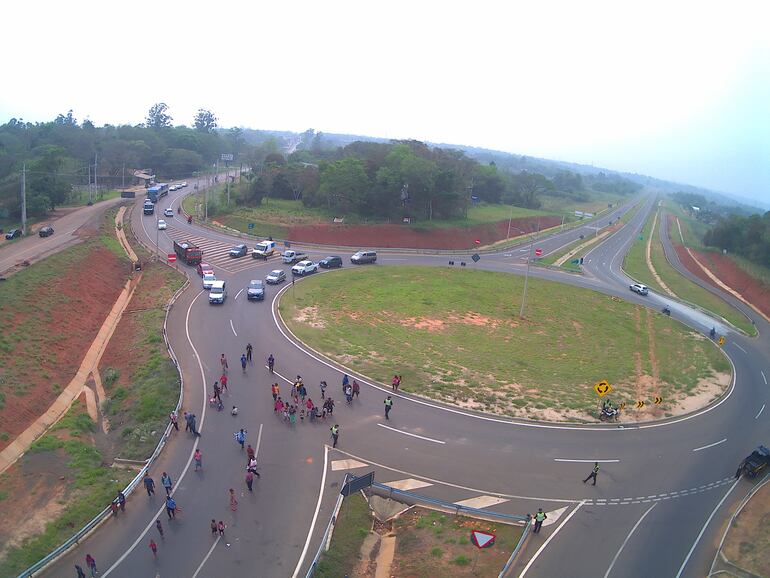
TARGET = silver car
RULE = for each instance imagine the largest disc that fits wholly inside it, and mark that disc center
(276, 276)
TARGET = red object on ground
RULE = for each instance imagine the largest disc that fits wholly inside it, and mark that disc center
(171, 257)
(538, 252)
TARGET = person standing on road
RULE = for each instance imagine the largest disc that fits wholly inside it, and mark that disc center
(91, 563)
(153, 547)
(335, 429)
(593, 473)
(539, 519)
(213, 526)
(217, 392)
(356, 389)
(249, 350)
(80, 572)
(223, 381)
(270, 363)
(388, 406)
(240, 436)
(198, 457)
(187, 421)
(276, 390)
(223, 362)
(221, 528)
(149, 484)
(243, 362)
(192, 426)
(170, 507)
(323, 386)
(345, 382)
(250, 481)
(159, 526)
(250, 453)
(121, 501)
(302, 392)
(173, 419)
(233, 501)
(165, 479)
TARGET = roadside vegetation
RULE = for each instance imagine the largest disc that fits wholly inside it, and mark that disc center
(455, 336)
(353, 524)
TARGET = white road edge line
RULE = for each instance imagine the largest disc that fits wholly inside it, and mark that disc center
(760, 411)
(192, 451)
(315, 515)
(710, 445)
(586, 461)
(703, 529)
(763, 376)
(233, 328)
(237, 294)
(206, 557)
(548, 540)
(406, 433)
(623, 545)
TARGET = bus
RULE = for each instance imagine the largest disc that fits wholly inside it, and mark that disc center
(156, 192)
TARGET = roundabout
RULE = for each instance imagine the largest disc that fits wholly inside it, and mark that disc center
(663, 489)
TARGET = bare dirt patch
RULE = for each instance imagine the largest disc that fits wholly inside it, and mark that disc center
(748, 541)
(310, 316)
(706, 391)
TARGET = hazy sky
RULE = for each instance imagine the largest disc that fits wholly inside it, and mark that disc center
(677, 90)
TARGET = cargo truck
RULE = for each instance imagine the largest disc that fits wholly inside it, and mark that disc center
(188, 252)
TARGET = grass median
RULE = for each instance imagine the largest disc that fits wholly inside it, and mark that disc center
(455, 335)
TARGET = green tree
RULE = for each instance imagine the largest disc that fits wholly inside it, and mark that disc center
(158, 117)
(344, 185)
(205, 121)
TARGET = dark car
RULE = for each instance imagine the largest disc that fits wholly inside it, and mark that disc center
(255, 290)
(331, 262)
(239, 251)
(12, 234)
(364, 257)
(46, 232)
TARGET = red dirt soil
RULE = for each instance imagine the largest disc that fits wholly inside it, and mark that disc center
(87, 299)
(753, 290)
(405, 236)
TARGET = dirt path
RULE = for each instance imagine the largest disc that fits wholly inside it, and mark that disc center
(648, 257)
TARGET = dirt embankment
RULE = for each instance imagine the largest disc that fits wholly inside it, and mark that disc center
(405, 236)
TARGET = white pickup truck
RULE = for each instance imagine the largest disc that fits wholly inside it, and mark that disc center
(263, 250)
(289, 256)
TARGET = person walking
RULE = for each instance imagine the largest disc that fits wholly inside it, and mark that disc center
(170, 507)
(394, 383)
(213, 526)
(121, 501)
(270, 363)
(250, 453)
(80, 572)
(335, 429)
(356, 389)
(539, 519)
(221, 528)
(149, 484)
(217, 392)
(252, 467)
(233, 501)
(223, 363)
(593, 473)
(153, 547)
(345, 382)
(275, 390)
(323, 387)
(173, 418)
(159, 526)
(187, 421)
(388, 406)
(198, 457)
(165, 479)
(249, 349)
(91, 563)
(249, 481)
(240, 436)
(223, 381)
(192, 426)
(243, 362)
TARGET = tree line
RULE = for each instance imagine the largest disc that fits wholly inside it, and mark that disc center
(745, 236)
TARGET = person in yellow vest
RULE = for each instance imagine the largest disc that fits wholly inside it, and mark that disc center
(539, 519)
(388, 406)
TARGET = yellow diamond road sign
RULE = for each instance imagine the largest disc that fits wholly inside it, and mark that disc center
(602, 388)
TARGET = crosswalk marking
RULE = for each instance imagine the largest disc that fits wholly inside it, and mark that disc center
(481, 502)
(408, 484)
(347, 465)
(217, 253)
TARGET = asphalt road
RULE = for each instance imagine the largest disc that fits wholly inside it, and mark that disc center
(649, 515)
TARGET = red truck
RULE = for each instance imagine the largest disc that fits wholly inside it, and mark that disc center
(188, 252)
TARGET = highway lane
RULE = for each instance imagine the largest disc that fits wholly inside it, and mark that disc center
(510, 455)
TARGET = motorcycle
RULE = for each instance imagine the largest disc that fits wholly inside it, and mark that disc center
(713, 333)
(609, 414)
(189, 220)
(666, 311)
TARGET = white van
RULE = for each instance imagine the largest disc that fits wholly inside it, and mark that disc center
(218, 292)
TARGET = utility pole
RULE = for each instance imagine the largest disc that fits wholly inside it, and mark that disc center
(24, 199)
(90, 192)
(123, 182)
(96, 165)
(526, 275)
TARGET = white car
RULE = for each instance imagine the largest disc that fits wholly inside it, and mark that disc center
(184, 184)
(168, 212)
(218, 292)
(172, 188)
(208, 280)
(304, 268)
(639, 288)
(276, 276)
(162, 225)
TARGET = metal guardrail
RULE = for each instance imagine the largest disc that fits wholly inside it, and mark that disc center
(516, 550)
(324, 545)
(105, 514)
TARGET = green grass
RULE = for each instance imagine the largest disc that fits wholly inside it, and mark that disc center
(596, 203)
(455, 335)
(692, 229)
(80, 199)
(353, 525)
(93, 487)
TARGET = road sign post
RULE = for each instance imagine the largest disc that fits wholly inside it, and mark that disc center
(357, 483)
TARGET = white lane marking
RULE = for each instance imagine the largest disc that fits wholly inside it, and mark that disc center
(315, 514)
(548, 540)
(406, 433)
(481, 502)
(710, 445)
(408, 484)
(233, 328)
(313, 354)
(586, 461)
(259, 441)
(458, 486)
(763, 376)
(237, 294)
(206, 557)
(760, 411)
(346, 465)
(151, 524)
(739, 347)
(623, 545)
(553, 516)
(703, 529)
